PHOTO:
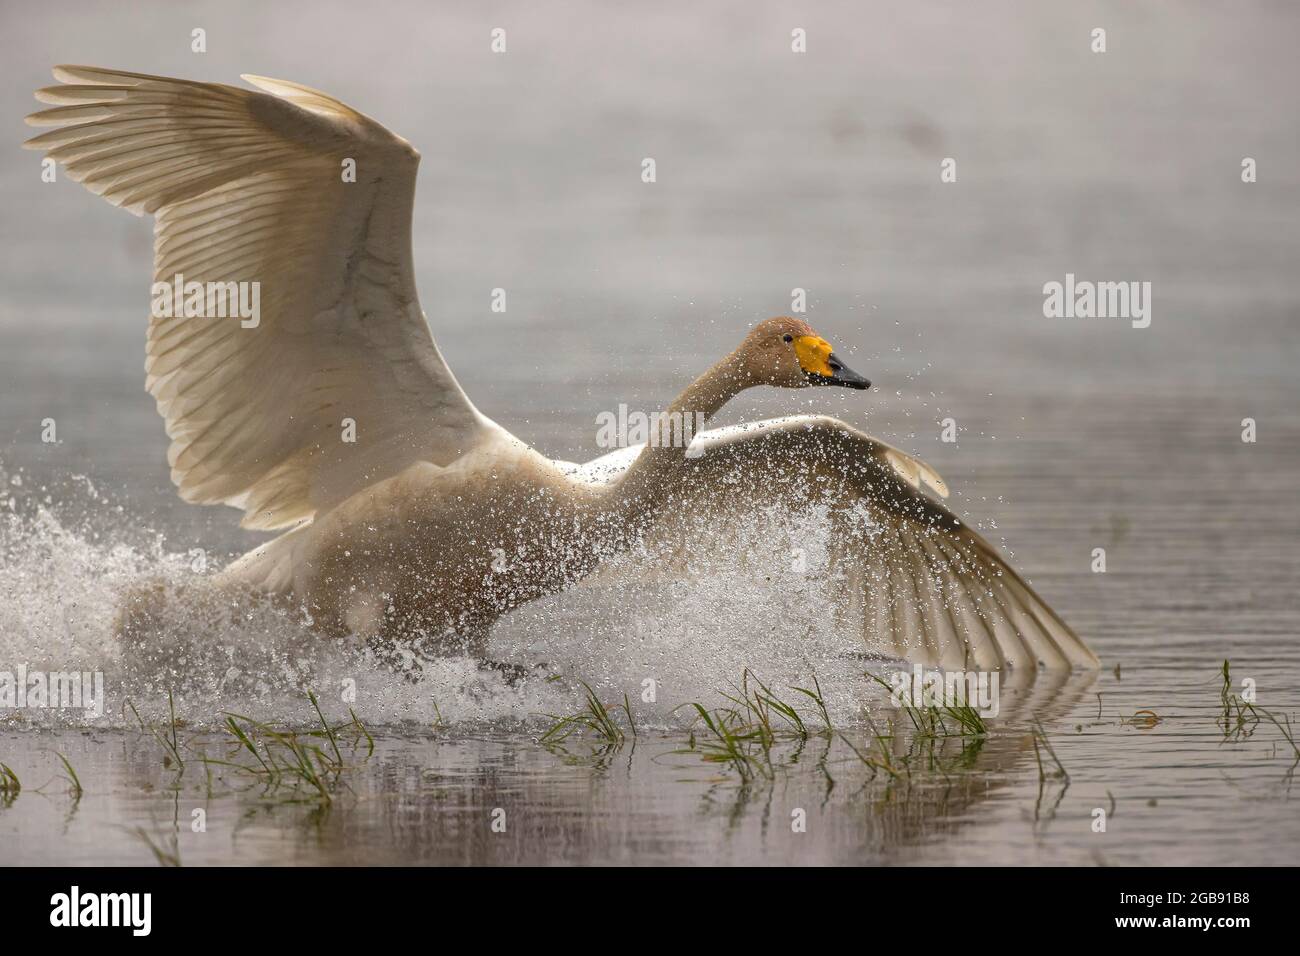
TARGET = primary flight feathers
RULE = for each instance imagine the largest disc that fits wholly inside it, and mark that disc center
(249, 187)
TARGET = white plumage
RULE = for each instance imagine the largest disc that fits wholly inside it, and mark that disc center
(407, 527)
(249, 187)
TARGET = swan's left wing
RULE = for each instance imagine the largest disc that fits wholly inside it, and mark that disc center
(929, 587)
(325, 379)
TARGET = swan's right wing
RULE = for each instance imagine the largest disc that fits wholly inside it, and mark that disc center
(335, 382)
(930, 588)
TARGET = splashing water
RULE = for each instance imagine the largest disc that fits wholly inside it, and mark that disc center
(663, 626)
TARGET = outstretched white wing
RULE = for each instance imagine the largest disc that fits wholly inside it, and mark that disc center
(930, 588)
(307, 203)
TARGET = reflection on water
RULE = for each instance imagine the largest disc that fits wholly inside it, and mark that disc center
(434, 798)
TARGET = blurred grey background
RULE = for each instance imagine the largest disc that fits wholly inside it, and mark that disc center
(775, 171)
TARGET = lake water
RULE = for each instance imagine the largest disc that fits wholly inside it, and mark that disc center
(775, 171)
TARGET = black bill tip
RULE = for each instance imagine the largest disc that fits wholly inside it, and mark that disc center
(840, 375)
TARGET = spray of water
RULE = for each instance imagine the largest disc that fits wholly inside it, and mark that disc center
(665, 623)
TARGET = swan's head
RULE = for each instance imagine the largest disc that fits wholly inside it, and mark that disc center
(787, 353)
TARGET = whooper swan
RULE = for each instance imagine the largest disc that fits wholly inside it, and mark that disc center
(433, 519)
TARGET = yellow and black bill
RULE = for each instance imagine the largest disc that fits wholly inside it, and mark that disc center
(823, 367)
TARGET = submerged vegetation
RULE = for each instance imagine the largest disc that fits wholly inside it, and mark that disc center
(755, 732)
(930, 721)
(1239, 717)
(75, 782)
(1043, 745)
(752, 743)
(10, 785)
(310, 763)
(742, 736)
(167, 737)
(595, 719)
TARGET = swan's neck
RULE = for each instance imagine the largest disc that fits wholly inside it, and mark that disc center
(649, 479)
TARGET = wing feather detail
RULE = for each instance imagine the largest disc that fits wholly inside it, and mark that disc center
(247, 188)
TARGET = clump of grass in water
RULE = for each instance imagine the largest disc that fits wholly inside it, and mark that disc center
(72, 777)
(595, 719)
(969, 721)
(363, 732)
(1240, 718)
(1039, 735)
(885, 761)
(10, 785)
(761, 703)
(816, 697)
(169, 739)
(281, 756)
(742, 736)
(733, 742)
(929, 721)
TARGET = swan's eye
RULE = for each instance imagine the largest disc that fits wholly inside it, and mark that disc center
(787, 337)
